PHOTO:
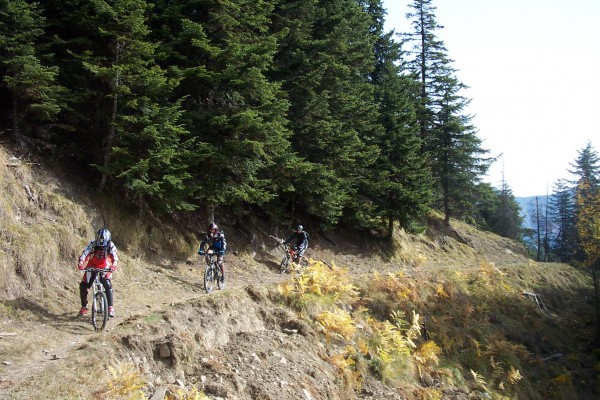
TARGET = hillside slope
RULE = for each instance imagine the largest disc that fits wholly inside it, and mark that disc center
(248, 341)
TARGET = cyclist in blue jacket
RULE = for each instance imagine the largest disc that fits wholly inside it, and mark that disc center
(214, 240)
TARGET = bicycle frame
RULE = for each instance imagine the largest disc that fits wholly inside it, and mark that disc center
(99, 300)
(212, 272)
(290, 255)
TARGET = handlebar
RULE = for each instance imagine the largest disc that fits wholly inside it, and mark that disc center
(89, 269)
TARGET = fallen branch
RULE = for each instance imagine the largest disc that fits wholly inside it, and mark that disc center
(538, 300)
(552, 357)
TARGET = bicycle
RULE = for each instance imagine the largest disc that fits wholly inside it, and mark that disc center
(291, 255)
(99, 300)
(212, 273)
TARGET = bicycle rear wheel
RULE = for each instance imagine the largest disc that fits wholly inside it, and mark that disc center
(209, 278)
(285, 264)
(304, 263)
(99, 311)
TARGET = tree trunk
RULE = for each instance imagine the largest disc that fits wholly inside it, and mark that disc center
(446, 206)
(596, 278)
(15, 118)
(539, 238)
(210, 213)
(109, 141)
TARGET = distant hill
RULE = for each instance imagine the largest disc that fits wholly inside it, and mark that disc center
(527, 205)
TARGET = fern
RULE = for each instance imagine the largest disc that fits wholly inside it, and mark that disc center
(126, 380)
(514, 376)
(480, 383)
(338, 323)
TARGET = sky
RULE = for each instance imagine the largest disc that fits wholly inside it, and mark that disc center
(533, 71)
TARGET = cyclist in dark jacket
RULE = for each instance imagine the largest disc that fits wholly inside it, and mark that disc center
(301, 241)
(215, 240)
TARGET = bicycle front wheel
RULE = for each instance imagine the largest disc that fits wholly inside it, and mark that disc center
(219, 278)
(99, 311)
(209, 278)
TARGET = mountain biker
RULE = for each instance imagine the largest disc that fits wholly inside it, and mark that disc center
(301, 237)
(100, 253)
(215, 240)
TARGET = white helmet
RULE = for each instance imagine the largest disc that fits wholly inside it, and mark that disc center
(102, 238)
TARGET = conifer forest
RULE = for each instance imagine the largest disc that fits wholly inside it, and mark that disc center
(290, 109)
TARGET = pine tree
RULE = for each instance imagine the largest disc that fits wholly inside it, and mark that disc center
(457, 159)
(324, 60)
(400, 182)
(144, 149)
(507, 221)
(586, 169)
(27, 75)
(223, 51)
(562, 214)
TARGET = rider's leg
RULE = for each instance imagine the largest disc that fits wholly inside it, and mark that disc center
(108, 289)
(83, 293)
(221, 266)
(109, 295)
(300, 254)
(84, 285)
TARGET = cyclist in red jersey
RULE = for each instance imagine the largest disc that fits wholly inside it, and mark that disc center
(100, 253)
(215, 240)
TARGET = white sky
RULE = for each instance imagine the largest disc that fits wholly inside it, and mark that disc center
(533, 68)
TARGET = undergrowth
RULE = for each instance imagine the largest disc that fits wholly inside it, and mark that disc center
(373, 327)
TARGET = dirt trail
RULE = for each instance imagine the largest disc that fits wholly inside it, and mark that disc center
(45, 344)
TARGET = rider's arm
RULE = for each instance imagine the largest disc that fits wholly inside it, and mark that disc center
(202, 245)
(304, 239)
(85, 255)
(113, 256)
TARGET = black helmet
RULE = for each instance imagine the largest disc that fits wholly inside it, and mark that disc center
(299, 228)
(212, 228)
(102, 237)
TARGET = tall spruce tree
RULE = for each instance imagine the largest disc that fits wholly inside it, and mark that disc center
(223, 51)
(400, 181)
(27, 76)
(562, 214)
(507, 220)
(324, 61)
(586, 169)
(457, 158)
(144, 148)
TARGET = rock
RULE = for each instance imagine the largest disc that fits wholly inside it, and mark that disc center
(159, 394)
(164, 351)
